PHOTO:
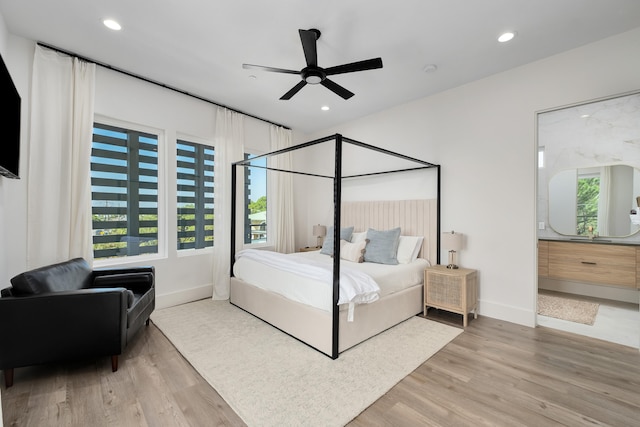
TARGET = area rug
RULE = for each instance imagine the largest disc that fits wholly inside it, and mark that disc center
(569, 309)
(271, 379)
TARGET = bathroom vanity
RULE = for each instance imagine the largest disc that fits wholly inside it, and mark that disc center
(599, 262)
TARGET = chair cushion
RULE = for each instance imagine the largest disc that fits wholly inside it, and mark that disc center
(65, 276)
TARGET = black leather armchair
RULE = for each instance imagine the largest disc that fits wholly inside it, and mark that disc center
(67, 311)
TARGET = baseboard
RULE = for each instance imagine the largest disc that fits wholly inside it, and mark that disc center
(590, 290)
(183, 297)
(507, 313)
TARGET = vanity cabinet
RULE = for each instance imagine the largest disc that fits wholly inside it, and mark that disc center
(543, 258)
(638, 267)
(603, 264)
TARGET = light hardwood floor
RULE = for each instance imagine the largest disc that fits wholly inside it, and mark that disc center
(494, 374)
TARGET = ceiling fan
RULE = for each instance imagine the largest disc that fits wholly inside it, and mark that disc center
(313, 74)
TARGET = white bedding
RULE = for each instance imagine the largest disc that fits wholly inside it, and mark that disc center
(315, 289)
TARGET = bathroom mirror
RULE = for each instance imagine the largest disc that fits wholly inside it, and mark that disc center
(589, 167)
(598, 197)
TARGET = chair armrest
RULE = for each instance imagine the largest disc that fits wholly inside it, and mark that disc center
(62, 326)
(140, 282)
(139, 279)
(122, 270)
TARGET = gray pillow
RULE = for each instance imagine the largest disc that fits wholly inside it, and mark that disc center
(327, 246)
(383, 246)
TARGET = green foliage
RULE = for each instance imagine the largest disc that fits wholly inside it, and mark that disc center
(588, 196)
(259, 205)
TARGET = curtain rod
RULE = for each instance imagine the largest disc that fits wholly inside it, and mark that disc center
(145, 79)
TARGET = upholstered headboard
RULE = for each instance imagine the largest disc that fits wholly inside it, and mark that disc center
(414, 217)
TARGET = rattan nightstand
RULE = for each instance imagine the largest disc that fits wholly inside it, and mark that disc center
(309, 248)
(454, 290)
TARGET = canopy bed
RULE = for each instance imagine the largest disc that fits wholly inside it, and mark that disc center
(333, 325)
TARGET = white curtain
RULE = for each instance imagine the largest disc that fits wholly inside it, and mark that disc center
(59, 156)
(229, 146)
(604, 201)
(280, 193)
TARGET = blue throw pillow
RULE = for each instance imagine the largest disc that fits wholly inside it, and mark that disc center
(327, 246)
(383, 246)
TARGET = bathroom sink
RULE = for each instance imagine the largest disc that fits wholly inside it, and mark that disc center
(596, 240)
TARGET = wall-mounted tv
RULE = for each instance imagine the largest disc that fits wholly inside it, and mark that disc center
(9, 124)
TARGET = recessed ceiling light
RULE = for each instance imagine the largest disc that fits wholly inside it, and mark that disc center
(112, 25)
(505, 37)
(325, 108)
(585, 116)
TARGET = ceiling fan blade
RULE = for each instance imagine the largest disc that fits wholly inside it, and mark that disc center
(272, 69)
(368, 64)
(309, 39)
(336, 88)
(294, 90)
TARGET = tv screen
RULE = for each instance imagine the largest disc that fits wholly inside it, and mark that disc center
(9, 124)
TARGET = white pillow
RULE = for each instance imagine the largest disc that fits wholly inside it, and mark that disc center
(358, 237)
(409, 248)
(353, 252)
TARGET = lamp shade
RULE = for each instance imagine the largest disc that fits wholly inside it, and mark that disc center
(319, 230)
(451, 241)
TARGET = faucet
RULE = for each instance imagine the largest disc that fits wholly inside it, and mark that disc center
(591, 234)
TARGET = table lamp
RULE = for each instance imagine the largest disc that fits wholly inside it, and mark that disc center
(319, 231)
(453, 242)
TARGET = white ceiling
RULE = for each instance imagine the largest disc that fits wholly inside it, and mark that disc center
(199, 46)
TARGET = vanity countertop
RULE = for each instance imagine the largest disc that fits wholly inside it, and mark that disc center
(596, 241)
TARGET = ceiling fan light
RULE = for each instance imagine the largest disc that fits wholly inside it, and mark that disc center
(313, 75)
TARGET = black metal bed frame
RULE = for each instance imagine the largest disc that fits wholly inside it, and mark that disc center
(337, 199)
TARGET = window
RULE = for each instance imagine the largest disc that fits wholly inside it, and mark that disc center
(255, 206)
(587, 203)
(124, 192)
(195, 164)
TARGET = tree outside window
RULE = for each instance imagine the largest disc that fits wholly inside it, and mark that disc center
(587, 204)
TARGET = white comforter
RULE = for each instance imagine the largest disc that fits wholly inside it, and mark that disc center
(356, 287)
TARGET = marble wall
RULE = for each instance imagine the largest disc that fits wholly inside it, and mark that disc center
(594, 134)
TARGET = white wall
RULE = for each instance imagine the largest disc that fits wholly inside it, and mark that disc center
(18, 55)
(3, 193)
(483, 135)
